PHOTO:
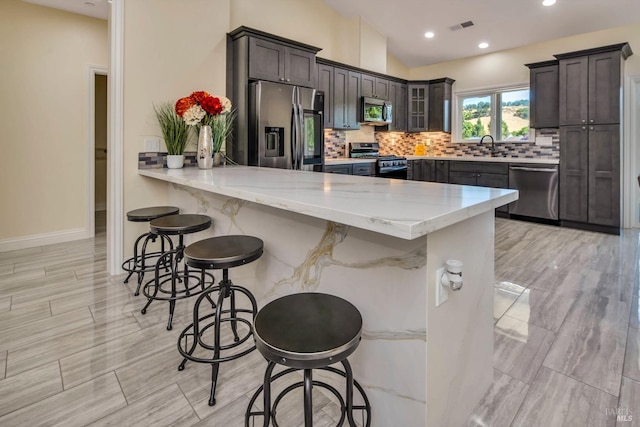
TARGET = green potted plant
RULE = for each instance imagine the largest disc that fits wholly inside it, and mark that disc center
(174, 131)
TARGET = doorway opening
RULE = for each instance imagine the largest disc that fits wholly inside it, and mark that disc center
(97, 149)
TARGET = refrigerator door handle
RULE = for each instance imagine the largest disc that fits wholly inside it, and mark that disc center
(294, 129)
(297, 126)
(301, 137)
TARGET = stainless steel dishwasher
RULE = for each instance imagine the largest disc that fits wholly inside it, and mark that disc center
(537, 185)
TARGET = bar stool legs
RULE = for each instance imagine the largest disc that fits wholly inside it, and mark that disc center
(347, 407)
(164, 286)
(143, 261)
(196, 331)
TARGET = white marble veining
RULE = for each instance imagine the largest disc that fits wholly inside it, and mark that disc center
(305, 220)
(405, 209)
(542, 161)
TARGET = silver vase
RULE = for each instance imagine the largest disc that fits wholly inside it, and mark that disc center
(205, 148)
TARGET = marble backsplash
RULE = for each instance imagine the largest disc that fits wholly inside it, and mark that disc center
(403, 144)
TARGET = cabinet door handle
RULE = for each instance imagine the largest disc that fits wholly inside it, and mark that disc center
(591, 121)
(288, 80)
(590, 127)
(584, 121)
(281, 79)
(584, 127)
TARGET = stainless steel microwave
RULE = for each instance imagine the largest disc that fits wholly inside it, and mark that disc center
(376, 111)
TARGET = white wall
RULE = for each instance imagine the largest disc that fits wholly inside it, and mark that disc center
(310, 21)
(43, 86)
(373, 48)
(170, 50)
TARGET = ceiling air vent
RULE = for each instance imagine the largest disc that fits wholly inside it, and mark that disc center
(461, 26)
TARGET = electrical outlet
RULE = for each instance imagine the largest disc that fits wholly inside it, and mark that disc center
(152, 145)
(442, 292)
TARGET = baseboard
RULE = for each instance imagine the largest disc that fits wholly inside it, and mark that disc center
(43, 239)
(591, 227)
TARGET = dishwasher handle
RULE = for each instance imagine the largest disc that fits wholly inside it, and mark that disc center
(522, 168)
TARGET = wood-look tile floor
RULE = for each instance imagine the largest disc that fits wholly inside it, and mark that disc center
(75, 350)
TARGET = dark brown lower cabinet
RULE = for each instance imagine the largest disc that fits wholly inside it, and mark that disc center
(590, 174)
(428, 170)
(482, 174)
(364, 169)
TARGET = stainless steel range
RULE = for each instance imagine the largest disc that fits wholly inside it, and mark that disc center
(386, 166)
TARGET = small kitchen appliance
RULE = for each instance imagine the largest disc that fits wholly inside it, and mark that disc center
(376, 111)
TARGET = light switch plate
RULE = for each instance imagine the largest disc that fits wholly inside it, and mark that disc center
(544, 140)
(152, 145)
(442, 292)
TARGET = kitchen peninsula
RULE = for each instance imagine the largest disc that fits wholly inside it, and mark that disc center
(377, 243)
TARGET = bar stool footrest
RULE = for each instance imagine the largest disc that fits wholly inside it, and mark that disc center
(365, 408)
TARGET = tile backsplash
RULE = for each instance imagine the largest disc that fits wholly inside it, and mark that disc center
(159, 160)
(403, 144)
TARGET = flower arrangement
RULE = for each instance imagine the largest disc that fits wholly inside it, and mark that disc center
(202, 109)
(174, 130)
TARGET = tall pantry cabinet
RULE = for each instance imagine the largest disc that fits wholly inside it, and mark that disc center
(590, 88)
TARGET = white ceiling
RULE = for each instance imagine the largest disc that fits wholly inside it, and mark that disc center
(504, 24)
(94, 8)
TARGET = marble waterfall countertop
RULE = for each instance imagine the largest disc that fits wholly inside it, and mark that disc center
(404, 209)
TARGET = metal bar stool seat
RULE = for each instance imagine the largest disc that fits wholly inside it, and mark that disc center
(307, 331)
(142, 261)
(202, 341)
(164, 286)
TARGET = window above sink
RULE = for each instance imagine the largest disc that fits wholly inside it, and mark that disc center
(477, 113)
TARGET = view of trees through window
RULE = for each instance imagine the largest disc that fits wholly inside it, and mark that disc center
(480, 112)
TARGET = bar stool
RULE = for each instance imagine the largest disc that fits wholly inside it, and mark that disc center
(205, 332)
(308, 331)
(164, 286)
(144, 261)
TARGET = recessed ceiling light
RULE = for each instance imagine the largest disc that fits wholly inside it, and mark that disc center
(483, 45)
(548, 2)
(429, 34)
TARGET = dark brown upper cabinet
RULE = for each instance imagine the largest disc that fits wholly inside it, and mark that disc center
(590, 84)
(543, 95)
(346, 99)
(325, 84)
(430, 105)
(418, 107)
(374, 87)
(398, 99)
(440, 105)
(280, 63)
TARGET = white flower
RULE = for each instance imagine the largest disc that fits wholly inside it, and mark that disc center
(226, 104)
(193, 115)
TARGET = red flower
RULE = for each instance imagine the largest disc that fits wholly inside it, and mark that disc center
(183, 105)
(198, 96)
(211, 105)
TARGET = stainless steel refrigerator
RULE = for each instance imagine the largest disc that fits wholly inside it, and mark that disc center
(285, 126)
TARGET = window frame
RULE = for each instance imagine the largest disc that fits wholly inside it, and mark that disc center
(496, 110)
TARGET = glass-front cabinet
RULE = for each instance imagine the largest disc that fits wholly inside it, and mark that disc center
(418, 107)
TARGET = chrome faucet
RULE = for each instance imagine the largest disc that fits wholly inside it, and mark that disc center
(493, 145)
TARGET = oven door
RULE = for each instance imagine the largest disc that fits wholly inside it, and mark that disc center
(399, 172)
